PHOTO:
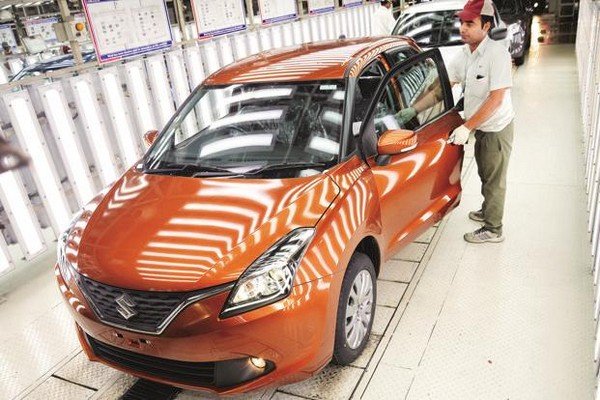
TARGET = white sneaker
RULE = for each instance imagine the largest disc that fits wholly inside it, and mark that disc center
(483, 235)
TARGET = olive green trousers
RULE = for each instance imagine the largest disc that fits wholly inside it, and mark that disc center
(492, 152)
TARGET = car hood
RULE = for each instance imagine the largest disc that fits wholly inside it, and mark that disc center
(166, 233)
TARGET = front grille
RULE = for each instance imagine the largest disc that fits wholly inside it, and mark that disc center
(185, 372)
(152, 311)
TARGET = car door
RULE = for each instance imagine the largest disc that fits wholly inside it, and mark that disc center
(417, 187)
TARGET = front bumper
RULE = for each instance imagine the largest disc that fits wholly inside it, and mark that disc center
(295, 336)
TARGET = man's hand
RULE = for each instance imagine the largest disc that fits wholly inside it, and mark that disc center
(459, 136)
(405, 115)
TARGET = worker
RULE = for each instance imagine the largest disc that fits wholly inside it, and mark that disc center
(484, 68)
(382, 21)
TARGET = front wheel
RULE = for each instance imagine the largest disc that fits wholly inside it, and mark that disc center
(356, 309)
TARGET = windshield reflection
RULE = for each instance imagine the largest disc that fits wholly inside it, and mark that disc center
(431, 29)
(278, 129)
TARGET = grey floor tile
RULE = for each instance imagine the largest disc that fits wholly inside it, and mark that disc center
(398, 271)
(412, 252)
(383, 315)
(333, 383)
(388, 382)
(365, 357)
(427, 236)
(390, 293)
(92, 374)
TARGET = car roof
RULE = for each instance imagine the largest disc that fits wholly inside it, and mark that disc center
(334, 59)
(438, 5)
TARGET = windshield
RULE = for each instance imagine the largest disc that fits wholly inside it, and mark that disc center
(268, 130)
(431, 29)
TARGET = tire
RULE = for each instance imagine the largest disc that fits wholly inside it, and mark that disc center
(520, 60)
(346, 349)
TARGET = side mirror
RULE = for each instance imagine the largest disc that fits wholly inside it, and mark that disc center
(150, 137)
(396, 141)
(498, 33)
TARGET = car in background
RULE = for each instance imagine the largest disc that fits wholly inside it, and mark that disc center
(243, 249)
(518, 15)
(435, 24)
(51, 64)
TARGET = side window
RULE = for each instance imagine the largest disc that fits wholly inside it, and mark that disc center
(364, 92)
(396, 56)
(413, 97)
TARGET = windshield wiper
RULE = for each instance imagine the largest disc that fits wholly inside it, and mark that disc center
(284, 166)
(192, 169)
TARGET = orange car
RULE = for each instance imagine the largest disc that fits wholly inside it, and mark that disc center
(243, 249)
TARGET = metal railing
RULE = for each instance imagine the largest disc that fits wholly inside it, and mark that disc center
(83, 126)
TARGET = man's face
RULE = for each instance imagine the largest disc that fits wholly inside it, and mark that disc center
(471, 32)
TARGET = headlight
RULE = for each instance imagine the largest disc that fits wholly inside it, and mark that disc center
(269, 278)
(61, 256)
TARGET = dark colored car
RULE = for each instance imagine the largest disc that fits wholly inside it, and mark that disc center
(517, 14)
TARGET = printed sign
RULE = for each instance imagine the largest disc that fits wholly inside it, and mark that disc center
(272, 11)
(127, 28)
(351, 3)
(218, 17)
(320, 6)
(7, 35)
(41, 27)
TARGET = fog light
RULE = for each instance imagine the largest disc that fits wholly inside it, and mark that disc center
(258, 362)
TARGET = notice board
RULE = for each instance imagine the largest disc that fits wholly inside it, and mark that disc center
(272, 11)
(7, 35)
(218, 17)
(127, 28)
(320, 6)
(41, 27)
(351, 3)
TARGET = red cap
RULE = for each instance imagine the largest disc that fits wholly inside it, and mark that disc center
(476, 8)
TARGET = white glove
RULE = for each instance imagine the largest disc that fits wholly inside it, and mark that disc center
(459, 136)
(405, 115)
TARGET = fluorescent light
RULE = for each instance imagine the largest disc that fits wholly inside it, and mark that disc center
(241, 49)
(96, 132)
(218, 146)
(259, 94)
(140, 95)
(248, 117)
(314, 28)
(276, 37)
(226, 51)
(324, 145)
(30, 136)
(3, 76)
(253, 43)
(5, 261)
(194, 64)
(211, 57)
(160, 89)
(22, 219)
(64, 132)
(118, 110)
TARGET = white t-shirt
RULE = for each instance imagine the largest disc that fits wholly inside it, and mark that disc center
(488, 68)
(382, 22)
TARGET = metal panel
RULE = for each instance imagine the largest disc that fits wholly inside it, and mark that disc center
(120, 118)
(32, 141)
(61, 121)
(95, 129)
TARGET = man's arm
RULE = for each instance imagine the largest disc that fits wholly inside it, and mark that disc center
(487, 109)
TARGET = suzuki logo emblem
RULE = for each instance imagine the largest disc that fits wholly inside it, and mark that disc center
(125, 306)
